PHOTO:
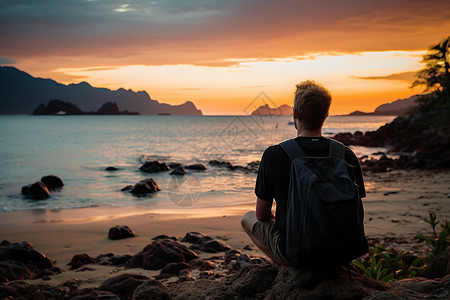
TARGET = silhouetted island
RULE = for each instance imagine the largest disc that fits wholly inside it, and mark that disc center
(58, 107)
(266, 110)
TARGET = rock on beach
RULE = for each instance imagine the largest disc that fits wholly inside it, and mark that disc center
(160, 253)
(21, 261)
(204, 243)
(143, 187)
(120, 232)
(36, 191)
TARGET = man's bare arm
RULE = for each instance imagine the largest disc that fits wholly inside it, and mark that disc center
(264, 210)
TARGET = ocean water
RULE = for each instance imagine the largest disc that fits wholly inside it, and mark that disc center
(79, 148)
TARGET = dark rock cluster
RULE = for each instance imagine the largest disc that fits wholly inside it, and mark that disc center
(177, 168)
(236, 260)
(424, 141)
(40, 189)
(204, 243)
(282, 282)
(248, 277)
(154, 167)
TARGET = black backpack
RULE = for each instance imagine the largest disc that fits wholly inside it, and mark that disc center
(325, 216)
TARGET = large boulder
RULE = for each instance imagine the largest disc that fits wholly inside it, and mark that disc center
(154, 166)
(21, 261)
(14, 270)
(120, 232)
(123, 285)
(52, 181)
(160, 253)
(146, 186)
(36, 191)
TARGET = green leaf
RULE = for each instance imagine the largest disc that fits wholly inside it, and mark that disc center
(359, 264)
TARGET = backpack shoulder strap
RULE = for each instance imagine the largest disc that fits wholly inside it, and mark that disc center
(292, 148)
(337, 149)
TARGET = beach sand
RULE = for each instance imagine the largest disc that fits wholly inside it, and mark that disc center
(396, 204)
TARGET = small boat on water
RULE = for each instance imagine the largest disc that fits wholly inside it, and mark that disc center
(61, 113)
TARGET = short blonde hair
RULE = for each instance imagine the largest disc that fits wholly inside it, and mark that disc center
(312, 102)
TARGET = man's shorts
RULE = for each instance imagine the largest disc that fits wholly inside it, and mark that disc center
(267, 233)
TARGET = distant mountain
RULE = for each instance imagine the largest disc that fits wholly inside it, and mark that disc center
(20, 93)
(396, 108)
(266, 110)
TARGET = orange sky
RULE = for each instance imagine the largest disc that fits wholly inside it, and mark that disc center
(223, 54)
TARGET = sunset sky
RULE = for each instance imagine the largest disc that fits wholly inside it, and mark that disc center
(222, 54)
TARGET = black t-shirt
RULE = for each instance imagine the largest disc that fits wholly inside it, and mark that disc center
(274, 172)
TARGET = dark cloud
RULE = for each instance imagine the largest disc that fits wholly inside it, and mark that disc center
(210, 33)
(405, 76)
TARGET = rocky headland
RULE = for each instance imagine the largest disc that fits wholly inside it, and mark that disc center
(422, 141)
(396, 108)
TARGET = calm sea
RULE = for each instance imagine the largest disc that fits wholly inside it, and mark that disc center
(79, 148)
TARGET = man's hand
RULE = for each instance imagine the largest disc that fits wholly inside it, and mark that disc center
(264, 210)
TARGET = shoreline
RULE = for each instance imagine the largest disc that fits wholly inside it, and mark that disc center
(396, 205)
